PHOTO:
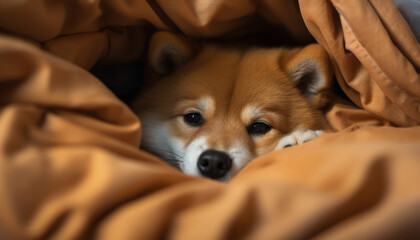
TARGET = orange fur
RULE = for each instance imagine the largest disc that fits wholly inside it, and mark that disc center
(237, 78)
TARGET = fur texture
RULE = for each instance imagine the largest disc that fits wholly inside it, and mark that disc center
(237, 91)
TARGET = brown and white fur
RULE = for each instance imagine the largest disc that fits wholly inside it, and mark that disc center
(236, 90)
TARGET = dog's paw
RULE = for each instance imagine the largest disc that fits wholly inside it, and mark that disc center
(298, 137)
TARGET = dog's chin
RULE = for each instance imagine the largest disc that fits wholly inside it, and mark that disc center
(225, 178)
(197, 173)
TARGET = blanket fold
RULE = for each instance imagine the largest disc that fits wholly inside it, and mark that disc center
(70, 167)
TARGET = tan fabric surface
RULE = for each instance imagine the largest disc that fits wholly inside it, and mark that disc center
(69, 163)
(376, 54)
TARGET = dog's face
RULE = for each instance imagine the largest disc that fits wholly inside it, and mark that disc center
(223, 107)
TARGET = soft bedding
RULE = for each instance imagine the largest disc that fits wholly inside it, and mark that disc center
(70, 167)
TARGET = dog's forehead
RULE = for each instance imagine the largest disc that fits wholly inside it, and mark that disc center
(204, 103)
(249, 112)
(233, 79)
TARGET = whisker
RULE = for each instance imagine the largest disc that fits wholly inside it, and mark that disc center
(166, 151)
(172, 160)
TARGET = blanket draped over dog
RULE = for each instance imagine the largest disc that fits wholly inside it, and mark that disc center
(70, 167)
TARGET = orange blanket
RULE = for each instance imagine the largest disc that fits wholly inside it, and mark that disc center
(70, 167)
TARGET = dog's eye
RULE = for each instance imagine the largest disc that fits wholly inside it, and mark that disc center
(258, 128)
(194, 119)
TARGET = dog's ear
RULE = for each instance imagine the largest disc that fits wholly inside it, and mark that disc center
(168, 51)
(311, 72)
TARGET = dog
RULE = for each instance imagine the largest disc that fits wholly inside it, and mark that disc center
(210, 110)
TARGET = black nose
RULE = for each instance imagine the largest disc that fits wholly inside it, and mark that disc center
(214, 164)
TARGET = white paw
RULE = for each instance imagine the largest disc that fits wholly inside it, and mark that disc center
(298, 137)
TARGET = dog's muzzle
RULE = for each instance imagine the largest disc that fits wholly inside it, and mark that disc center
(214, 164)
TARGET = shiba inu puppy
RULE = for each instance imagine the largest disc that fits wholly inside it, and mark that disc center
(211, 111)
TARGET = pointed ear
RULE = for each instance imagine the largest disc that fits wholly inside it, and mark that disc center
(311, 72)
(168, 51)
